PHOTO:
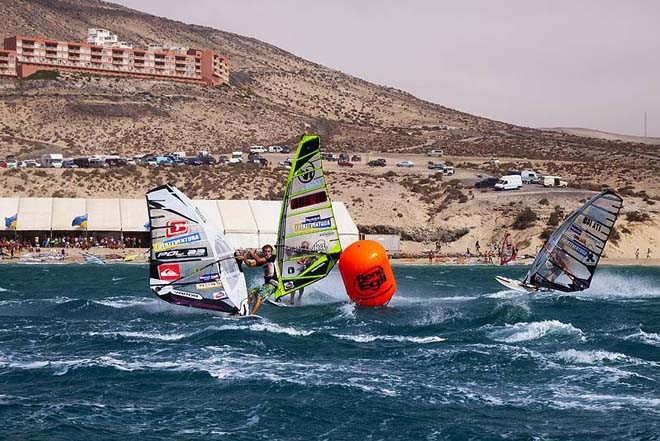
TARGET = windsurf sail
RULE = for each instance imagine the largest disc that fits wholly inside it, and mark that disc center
(569, 258)
(307, 240)
(191, 263)
(507, 251)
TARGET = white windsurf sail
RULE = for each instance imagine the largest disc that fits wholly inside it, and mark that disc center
(307, 241)
(569, 258)
(191, 263)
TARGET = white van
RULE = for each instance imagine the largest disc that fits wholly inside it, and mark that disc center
(51, 160)
(435, 153)
(236, 157)
(509, 182)
(275, 149)
(530, 177)
(257, 149)
(554, 181)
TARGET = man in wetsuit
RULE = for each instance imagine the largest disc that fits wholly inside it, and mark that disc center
(267, 260)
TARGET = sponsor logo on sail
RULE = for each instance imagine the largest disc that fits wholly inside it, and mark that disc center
(176, 228)
(208, 285)
(181, 254)
(312, 223)
(181, 240)
(209, 277)
(190, 295)
(169, 271)
(220, 295)
(307, 173)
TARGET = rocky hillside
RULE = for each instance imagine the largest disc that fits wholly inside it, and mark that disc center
(273, 96)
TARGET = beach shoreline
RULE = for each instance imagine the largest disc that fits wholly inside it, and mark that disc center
(140, 256)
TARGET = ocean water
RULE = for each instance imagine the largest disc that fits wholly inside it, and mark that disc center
(86, 352)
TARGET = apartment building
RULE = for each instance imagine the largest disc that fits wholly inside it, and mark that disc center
(27, 55)
(7, 63)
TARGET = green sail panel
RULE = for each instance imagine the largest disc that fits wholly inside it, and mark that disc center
(307, 241)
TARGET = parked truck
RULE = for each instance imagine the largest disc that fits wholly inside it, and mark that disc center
(51, 160)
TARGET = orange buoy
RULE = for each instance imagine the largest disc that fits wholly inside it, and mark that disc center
(367, 273)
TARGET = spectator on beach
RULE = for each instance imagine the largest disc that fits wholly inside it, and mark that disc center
(648, 253)
(477, 247)
(469, 254)
(637, 253)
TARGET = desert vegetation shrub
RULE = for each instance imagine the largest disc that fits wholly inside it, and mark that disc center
(544, 201)
(615, 236)
(525, 219)
(637, 216)
(546, 233)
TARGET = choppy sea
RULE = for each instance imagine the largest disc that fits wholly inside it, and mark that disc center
(86, 352)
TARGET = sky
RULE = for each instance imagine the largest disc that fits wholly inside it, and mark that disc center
(536, 63)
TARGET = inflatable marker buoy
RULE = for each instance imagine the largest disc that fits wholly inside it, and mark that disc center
(367, 274)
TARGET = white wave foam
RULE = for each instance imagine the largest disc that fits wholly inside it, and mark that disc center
(121, 302)
(588, 357)
(4, 289)
(141, 335)
(533, 331)
(606, 285)
(263, 327)
(650, 338)
(363, 338)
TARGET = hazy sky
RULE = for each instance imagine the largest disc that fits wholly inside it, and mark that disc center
(538, 63)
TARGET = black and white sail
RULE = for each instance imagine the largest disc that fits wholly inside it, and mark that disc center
(569, 258)
(191, 263)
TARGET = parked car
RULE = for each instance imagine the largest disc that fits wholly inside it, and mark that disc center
(356, 158)
(509, 182)
(377, 163)
(257, 149)
(405, 164)
(284, 164)
(286, 149)
(32, 163)
(449, 171)
(3, 164)
(345, 164)
(344, 157)
(436, 166)
(258, 160)
(69, 163)
(487, 183)
(274, 149)
(192, 161)
(223, 159)
(435, 153)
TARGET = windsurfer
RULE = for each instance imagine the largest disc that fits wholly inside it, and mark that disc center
(267, 260)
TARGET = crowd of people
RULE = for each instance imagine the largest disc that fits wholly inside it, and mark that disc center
(10, 247)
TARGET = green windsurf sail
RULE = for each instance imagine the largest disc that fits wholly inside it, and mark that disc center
(307, 240)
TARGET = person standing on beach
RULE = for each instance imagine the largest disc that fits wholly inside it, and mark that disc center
(637, 253)
(477, 247)
(648, 253)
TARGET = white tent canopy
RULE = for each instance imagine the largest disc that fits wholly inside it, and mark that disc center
(64, 211)
(246, 224)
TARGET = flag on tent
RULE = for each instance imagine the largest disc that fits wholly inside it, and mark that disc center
(147, 226)
(10, 222)
(80, 221)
